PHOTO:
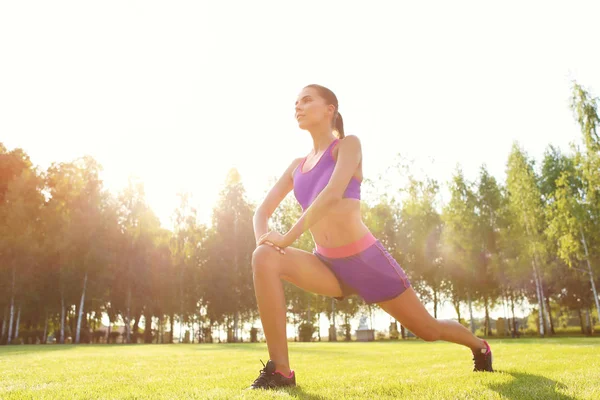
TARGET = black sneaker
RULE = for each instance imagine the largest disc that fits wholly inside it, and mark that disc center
(269, 379)
(483, 359)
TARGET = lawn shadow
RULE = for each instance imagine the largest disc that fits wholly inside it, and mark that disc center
(529, 386)
(295, 391)
(301, 394)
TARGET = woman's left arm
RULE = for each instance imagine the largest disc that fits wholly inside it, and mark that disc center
(349, 156)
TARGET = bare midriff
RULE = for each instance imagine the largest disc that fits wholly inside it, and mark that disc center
(341, 226)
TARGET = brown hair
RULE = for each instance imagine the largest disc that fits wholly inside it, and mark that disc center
(330, 98)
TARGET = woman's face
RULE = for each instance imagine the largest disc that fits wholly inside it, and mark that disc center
(311, 109)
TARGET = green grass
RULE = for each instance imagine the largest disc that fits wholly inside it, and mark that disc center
(564, 368)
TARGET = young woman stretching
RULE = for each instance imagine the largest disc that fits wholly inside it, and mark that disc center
(348, 259)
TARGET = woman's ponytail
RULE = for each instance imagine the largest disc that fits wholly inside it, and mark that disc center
(339, 125)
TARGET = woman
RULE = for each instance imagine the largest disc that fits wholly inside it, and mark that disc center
(348, 259)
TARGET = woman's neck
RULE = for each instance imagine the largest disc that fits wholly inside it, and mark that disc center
(322, 139)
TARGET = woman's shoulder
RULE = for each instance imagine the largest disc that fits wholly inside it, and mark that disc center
(297, 161)
(349, 143)
(294, 166)
(350, 139)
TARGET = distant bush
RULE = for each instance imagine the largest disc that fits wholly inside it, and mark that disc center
(306, 331)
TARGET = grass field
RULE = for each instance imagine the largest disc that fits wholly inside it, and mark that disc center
(565, 368)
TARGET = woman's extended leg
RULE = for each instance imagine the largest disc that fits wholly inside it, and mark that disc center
(302, 269)
(410, 312)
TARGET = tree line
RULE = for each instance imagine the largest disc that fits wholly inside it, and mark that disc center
(72, 251)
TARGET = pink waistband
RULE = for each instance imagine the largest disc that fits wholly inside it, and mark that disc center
(349, 249)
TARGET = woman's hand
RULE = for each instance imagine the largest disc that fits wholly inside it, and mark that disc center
(275, 240)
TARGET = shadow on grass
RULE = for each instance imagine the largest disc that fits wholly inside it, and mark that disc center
(530, 386)
(296, 392)
(301, 394)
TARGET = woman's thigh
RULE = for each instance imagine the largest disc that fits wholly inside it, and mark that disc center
(299, 267)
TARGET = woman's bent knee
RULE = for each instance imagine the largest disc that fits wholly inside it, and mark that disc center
(264, 259)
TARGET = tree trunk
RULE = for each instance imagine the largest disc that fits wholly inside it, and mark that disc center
(348, 331)
(80, 311)
(136, 323)
(69, 323)
(333, 313)
(62, 318)
(159, 334)
(172, 321)
(201, 330)
(435, 303)
(11, 319)
(236, 318)
(487, 329)
(44, 340)
(471, 312)
(550, 315)
(589, 321)
(319, 327)
(545, 311)
(128, 316)
(4, 325)
(296, 324)
(181, 306)
(402, 331)
(512, 308)
(108, 329)
(538, 285)
(540, 301)
(581, 321)
(12, 306)
(505, 305)
(456, 304)
(193, 317)
(147, 325)
(591, 273)
(18, 323)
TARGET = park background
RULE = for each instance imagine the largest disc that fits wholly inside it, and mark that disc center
(138, 140)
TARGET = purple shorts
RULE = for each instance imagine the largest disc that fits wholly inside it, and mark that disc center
(365, 268)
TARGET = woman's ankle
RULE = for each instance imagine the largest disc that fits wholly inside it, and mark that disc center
(283, 369)
(481, 346)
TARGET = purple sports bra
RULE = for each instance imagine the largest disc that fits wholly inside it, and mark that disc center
(308, 185)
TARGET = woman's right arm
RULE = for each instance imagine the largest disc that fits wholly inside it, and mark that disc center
(282, 187)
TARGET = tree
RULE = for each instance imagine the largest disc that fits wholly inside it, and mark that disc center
(19, 244)
(65, 185)
(420, 230)
(489, 211)
(585, 108)
(140, 227)
(88, 230)
(459, 240)
(229, 257)
(185, 248)
(524, 200)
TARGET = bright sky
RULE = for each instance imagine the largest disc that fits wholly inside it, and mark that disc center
(178, 93)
